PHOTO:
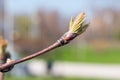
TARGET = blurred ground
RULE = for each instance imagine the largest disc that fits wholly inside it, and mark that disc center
(78, 70)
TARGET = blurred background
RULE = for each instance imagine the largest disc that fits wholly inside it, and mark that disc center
(31, 25)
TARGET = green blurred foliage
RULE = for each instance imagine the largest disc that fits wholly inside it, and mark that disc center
(83, 54)
(117, 35)
(50, 78)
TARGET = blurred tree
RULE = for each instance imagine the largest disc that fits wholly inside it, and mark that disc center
(104, 24)
(49, 28)
(22, 24)
(21, 33)
(104, 27)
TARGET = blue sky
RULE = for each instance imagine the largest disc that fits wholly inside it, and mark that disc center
(67, 7)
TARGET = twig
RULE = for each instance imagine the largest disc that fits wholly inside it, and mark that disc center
(76, 28)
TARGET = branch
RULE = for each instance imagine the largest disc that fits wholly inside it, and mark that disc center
(76, 28)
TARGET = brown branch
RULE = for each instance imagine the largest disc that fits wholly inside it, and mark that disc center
(55, 45)
(65, 39)
(76, 28)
